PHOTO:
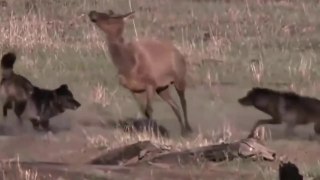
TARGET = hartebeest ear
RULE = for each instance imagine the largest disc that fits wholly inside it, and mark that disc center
(110, 13)
(128, 16)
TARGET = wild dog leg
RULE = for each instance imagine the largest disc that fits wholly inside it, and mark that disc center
(45, 125)
(35, 123)
(18, 110)
(262, 122)
(316, 128)
(290, 129)
(7, 105)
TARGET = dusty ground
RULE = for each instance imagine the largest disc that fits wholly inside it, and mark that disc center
(76, 138)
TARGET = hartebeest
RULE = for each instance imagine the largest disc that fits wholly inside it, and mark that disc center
(145, 67)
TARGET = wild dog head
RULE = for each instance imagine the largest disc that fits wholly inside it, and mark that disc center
(65, 99)
(258, 97)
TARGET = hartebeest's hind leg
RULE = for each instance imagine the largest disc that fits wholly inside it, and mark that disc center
(180, 88)
(164, 93)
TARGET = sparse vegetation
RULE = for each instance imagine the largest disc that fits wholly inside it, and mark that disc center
(230, 47)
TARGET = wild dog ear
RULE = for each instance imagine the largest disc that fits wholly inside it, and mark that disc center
(64, 86)
(255, 88)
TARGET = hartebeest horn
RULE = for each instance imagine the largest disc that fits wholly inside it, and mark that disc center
(124, 16)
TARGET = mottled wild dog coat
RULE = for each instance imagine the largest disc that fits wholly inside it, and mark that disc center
(145, 67)
(44, 104)
(283, 107)
(30, 102)
(15, 89)
(289, 171)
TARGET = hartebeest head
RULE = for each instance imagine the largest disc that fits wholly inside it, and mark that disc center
(110, 23)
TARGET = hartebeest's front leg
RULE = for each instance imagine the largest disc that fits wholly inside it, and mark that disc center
(141, 99)
(144, 103)
(262, 122)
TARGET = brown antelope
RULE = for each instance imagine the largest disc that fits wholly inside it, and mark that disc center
(145, 67)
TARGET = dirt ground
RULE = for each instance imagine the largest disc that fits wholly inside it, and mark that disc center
(70, 143)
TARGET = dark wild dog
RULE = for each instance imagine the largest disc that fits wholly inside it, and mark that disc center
(15, 89)
(283, 107)
(146, 66)
(289, 171)
(44, 104)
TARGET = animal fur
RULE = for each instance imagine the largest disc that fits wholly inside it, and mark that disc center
(44, 104)
(145, 67)
(28, 101)
(289, 171)
(15, 89)
(283, 107)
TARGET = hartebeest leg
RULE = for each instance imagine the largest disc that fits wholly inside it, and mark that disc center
(144, 100)
(149, 93)
(180, 88)
(141, 98)
(164, 93)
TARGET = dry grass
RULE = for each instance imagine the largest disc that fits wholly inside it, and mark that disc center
(23, 174)
(257, 41)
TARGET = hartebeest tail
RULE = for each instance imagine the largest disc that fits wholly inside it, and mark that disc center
(145, 67)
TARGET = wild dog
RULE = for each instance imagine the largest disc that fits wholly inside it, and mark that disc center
(44, 104)
(289, 171)
(14, 88)
(145, 67)
(283, 107)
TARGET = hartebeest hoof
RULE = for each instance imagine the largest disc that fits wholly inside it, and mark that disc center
(186, 132)
(188, 128)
